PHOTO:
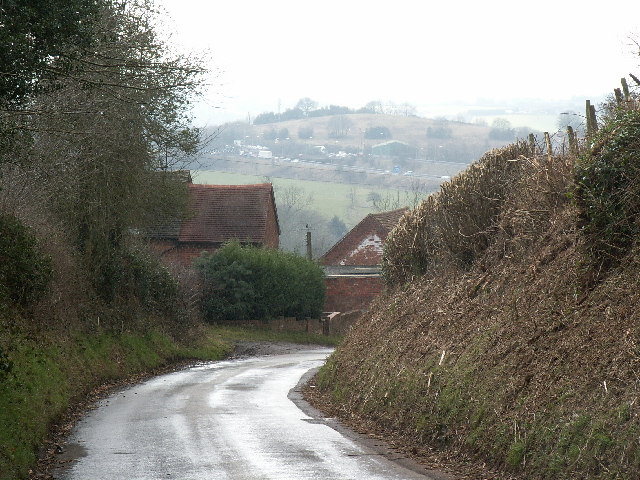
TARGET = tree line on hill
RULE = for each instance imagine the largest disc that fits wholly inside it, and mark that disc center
(308, 108)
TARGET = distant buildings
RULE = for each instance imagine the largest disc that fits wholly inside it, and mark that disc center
(353, 264)
(393, 148)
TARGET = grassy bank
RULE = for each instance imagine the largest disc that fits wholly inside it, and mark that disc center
(232, 335)
(42, 375)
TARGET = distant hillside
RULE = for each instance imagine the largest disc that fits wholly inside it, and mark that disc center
(412, 130)
(428, 139)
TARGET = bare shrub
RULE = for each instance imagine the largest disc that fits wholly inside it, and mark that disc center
(23, 195)
(469, 205)
(456, 224)
(542, 190)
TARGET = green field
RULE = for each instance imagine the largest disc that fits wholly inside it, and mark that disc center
(347, 201)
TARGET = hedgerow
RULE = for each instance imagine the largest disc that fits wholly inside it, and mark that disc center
(24, 271)
(608, 191)
(244, 282)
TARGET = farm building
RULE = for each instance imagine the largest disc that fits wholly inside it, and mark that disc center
(352, 266)
(219, 214)
(393, 148)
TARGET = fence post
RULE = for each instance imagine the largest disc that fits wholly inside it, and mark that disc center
(532, 144)
(619, 97)
(625, 89)
(547, 141)
(592, 121)
(573, 141)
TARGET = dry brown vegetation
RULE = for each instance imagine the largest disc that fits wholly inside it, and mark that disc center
(490, 346)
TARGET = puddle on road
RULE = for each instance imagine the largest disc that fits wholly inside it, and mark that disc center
(240, 387)
(69, 455)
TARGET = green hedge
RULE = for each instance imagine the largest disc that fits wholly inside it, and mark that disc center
(608, 191)
(24, 271)
(243, 282)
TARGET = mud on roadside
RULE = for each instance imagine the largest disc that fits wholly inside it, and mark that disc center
(245, 349)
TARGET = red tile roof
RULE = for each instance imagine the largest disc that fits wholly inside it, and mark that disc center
(389, 219)
(220, 213)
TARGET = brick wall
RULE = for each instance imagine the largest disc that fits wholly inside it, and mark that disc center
(162, 247)
(347, 293)
(271, 234)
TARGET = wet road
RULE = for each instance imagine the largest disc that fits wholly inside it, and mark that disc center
(227, 420)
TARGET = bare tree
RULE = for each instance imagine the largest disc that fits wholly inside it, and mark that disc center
(306, 105)
(339, 125)
(111, 124)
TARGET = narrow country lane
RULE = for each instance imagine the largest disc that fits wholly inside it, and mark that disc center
(226, 420)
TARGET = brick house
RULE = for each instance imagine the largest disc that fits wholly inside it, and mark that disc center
(219, 214)
(352, 265)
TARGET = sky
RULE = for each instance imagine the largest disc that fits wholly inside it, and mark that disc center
(265, 55)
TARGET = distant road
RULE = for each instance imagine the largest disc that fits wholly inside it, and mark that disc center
(229, 420)
(299, 167)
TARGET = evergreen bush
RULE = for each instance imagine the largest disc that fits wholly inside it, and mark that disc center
(608, 191)
(148, 280)
(24, 271)
(245, 282)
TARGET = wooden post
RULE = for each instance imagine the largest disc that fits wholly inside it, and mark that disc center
(592, 121)
(532, 144)
(547, 141)
(625, 89)
(619, 97)
(573, 141)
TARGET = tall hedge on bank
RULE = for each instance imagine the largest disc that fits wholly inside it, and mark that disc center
(24, 271)
(245, 282)
(607, 191)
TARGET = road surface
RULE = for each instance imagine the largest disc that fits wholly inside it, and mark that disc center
(227, 420)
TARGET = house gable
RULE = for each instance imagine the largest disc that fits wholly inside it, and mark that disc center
(364, 243)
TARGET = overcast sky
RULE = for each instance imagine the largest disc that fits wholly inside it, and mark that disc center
(350, 52)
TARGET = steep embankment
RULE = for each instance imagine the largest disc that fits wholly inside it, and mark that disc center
(511, 333)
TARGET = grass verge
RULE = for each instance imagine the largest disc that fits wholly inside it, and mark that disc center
(233, 334)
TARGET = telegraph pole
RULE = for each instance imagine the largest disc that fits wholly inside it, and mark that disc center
(309, 252)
